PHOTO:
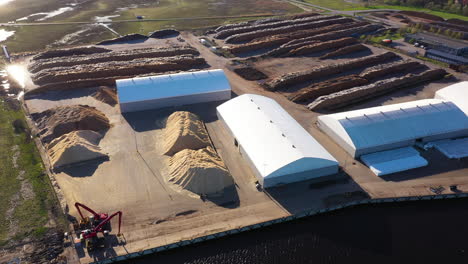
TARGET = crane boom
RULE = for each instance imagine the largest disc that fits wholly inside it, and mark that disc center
(96, 215)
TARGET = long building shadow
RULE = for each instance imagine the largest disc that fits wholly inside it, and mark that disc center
(317, 193)
(156, 119)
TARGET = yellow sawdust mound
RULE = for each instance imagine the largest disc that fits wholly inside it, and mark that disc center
(75, 147)
(184, 130)
(199, 171)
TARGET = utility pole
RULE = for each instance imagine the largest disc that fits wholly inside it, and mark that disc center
(5, 52)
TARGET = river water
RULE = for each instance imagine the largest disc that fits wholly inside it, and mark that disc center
(413, 232)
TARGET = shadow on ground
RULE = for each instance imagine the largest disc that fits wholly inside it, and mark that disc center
(229, 198)
(85, 169)
(318, 193)
(438, 164)
(156, 119)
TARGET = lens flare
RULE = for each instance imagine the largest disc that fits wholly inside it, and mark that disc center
(18, 74)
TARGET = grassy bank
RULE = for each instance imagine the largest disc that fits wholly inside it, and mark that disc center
(27, 199)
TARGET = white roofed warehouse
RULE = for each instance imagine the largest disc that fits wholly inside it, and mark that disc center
(456, 93)
(144, 93)
(394, 126)
(278, 149)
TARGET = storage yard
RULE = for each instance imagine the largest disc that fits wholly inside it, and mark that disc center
(260, 120)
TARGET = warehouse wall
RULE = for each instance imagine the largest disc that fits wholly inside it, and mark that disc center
(175, 101)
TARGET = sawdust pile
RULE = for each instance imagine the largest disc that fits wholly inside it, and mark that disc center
(106, 95)
(184, 130)
(58, 121)
(199, 171)
(75, 147)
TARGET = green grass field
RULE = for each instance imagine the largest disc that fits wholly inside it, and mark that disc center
(29, 38)
(336, 4)
(408, 8)
(30, 214)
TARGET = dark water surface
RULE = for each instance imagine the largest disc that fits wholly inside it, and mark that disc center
(413, 232)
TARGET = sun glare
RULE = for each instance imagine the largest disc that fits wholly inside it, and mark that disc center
(17, 73)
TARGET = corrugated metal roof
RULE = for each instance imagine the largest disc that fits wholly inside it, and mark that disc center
(273, 140)
(446, 55)
(171, 85)
(384, 125)
(392, 161)
(456, 93)
(441, 40)
(453, 149)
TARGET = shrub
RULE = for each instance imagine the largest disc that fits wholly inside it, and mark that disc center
(19, 126)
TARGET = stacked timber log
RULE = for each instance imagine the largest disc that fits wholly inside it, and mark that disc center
(357, 94)
(327, 87)
(57, 53)
(318, 72)
(342, 83)
(279, 39)
(379, 71)
(252, 28)
(263, 21)
(38, 65)
(345, 51)
(294, 44)
(248, 36)
(316, 47)
(117, 69)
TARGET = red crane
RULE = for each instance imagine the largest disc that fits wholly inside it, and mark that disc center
(97, 217)
(99, 228)
(97, 223)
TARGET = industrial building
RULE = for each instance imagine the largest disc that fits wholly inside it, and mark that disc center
(457, 94)
(144, 93)
(388, 127)
(441, 48)
(278, 149)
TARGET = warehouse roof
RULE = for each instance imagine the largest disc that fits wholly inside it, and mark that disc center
(384, 125)
(446, 55)
(456, 93)
(439, 40)
(275, 143)
(171, 85)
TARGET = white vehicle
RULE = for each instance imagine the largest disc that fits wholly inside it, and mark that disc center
(205, 43)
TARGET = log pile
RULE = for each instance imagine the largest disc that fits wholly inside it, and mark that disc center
(327, 87)
(321, 46)
(117, 69)
(251, 28)
(318, 72)
(382, 70)
(248, 36)
(57, 53)
(127, 55)
(321, 37)
(276, 40)
(357, 94)
(344, 51)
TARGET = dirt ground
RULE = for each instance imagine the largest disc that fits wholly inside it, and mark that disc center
(133, 179)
